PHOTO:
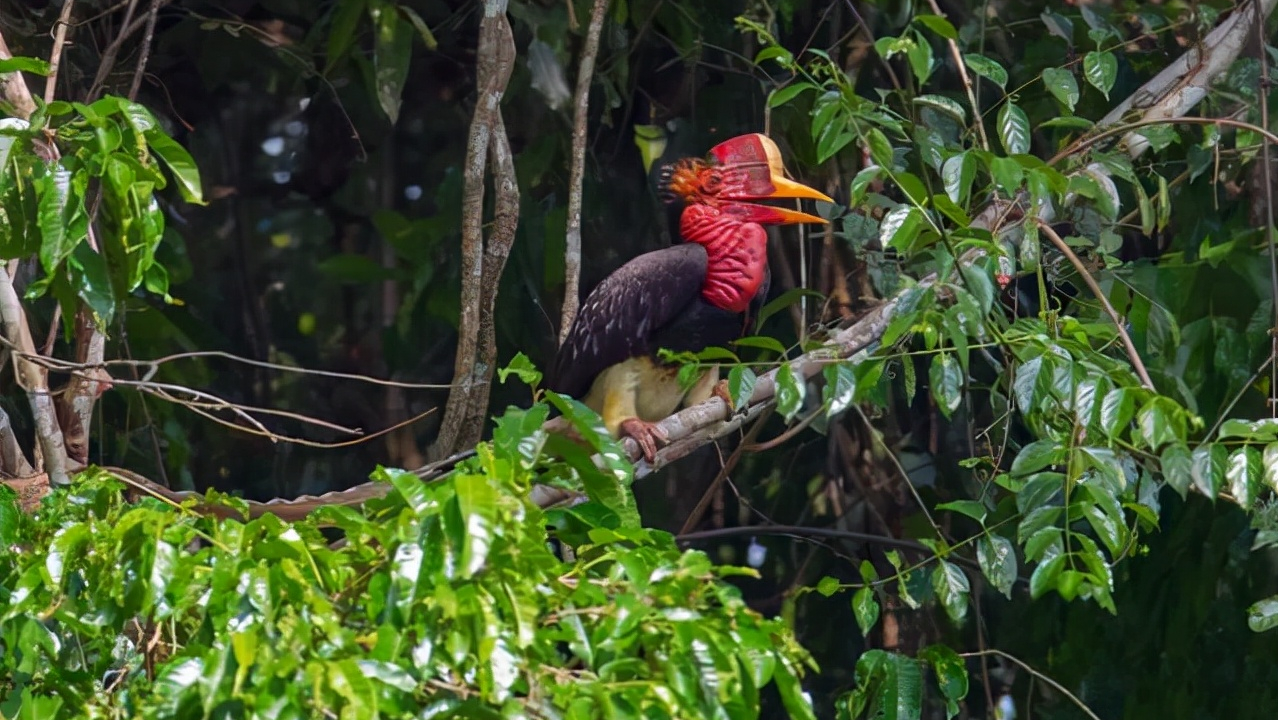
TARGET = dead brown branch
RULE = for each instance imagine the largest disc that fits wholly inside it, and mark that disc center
(581, 104)
(481, 267)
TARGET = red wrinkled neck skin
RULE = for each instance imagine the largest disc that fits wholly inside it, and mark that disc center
(737, 253)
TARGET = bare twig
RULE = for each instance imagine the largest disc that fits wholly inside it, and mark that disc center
(1137, 364)
(1267, 176)
(34, 380)
(107, 63)
(572, 245)
(55, 57)
(967, 82)
(147, 39)
(1054, 685)
(471, 375)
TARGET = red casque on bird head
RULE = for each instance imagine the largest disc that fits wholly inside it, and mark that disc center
(718, 217)
(747, 167)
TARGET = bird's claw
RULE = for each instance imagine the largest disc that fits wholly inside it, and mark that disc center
(646, 434)
(721, 391)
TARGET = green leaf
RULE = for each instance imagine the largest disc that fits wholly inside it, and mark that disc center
(880, 148)
(946, 378)
(423, 30)
(1116, 411)
(1207, 468)
(1007, 173)
(1036, 456)
(938, 25)
(900, 227)
(1270, 461)
(35, 66)
(790, 392)
(1058, 25)
(741, 382)
(951, 675)
(784, 95)
(783, 301)
(970, 508)
(1045, 575)
(477, 502)
(1062, 85)
(997, 558)
(392, 47)
(57, 205)
(952, 589)
(957, 173)
(1244, 474)
(180, 164)
(341, 33)
(1263, 615)
(612, 486)
(986, 68)
(866, 609)
(828, 586)
(1100, 69)
(763, 342)
(1178, 467)
(840, 388)
(521, 367)
(1013, 129)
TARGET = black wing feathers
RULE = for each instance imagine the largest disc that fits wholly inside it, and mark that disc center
(621, 317)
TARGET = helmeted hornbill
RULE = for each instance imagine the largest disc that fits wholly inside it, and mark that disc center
(701, 293)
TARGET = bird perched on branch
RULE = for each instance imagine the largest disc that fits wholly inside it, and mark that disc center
(702, 293)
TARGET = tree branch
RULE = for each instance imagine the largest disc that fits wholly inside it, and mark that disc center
(581, 103)
(470, 372)
(1092, 285)
(1185, 81)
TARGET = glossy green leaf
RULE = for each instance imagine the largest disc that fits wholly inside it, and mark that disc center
(180, 164)
(946, 378)
(943, 104)
(989, 69)
(741, 382)
(840, 388)
(951, 675)
(788, 93)
(1263, 615)
(866, 609)
(791, 390)
(952, 588)
(1045, 575)
(1207, 468)
(900, 227)
(957, 173)
(1062, 85)
(1244, 471)
(1013, 129)
(997, 558)
(1101, 69)
(521, 367)
(32, 65)
(392, 47)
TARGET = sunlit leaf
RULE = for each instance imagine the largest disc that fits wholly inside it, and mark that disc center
(997, 557)
(1101, 69)
(1013, 129)
(866, 609)
(1061, 83)
(985, 67)
(790, 392)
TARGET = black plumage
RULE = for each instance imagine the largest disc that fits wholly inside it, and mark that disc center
(652, 302)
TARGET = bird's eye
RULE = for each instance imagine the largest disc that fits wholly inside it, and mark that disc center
(712, 184)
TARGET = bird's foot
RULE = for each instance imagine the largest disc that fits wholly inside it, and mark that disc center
(721, 391)
(646, 434)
